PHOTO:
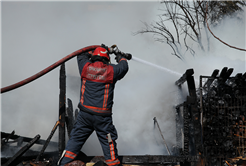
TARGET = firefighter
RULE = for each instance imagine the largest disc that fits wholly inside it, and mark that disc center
(98, 78)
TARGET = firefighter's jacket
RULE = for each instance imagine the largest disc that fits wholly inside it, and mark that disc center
(98, 83)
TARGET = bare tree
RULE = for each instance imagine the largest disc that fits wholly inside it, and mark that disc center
(189, 20)
(241, 49)
(220, 9)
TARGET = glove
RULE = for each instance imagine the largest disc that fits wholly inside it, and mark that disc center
(104, 46)
(128, 56)
(118, 57)
(123, 55)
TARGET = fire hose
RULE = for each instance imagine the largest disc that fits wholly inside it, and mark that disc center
(113, 49)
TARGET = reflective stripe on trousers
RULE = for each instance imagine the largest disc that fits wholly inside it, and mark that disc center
(84, 126)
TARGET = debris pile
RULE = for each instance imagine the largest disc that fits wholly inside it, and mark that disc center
(21, 148)
(224, 112)
(211, 123)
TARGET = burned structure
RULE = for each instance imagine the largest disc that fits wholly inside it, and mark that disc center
(211, 122)
(210, 127)
(223, 104)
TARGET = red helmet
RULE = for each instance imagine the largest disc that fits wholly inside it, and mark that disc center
(101, 52)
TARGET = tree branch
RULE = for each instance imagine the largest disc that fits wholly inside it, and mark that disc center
(241, 49)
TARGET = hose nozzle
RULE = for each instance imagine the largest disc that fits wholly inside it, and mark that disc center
(114, 49)
(127, 56)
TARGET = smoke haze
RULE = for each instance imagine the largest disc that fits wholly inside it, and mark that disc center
(37, 34)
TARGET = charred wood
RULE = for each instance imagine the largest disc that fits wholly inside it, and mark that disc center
(224, 117)
(18, 138)
(145, 159)
(214, 122)
(140, 159)
(184, 77)
(62, 109)
(156, 122)
(179, 129)
(186, 122)
(206, 86)
(48, 157)
(223, 72)
(6, 137)
(69, 117)
(191, 88)
(14, 160)
(47, 141)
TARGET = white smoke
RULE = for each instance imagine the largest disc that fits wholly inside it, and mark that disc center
(37, 34)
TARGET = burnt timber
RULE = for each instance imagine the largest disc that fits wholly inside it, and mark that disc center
(211, 122)
(148, 159)
(17, 138)
(62, 109)
(22, 151)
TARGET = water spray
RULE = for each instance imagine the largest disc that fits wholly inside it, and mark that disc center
(156, 66)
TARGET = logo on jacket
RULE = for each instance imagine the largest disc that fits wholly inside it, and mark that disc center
(96, 73)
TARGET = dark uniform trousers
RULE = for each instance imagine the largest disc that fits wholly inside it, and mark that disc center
(85, 124)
